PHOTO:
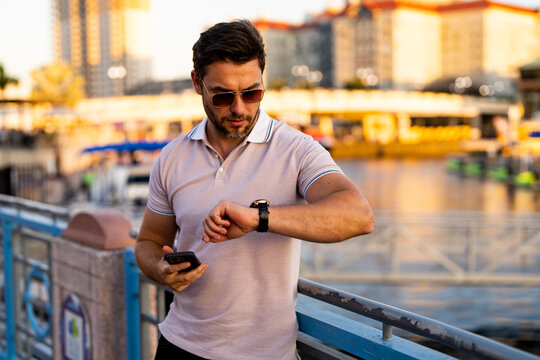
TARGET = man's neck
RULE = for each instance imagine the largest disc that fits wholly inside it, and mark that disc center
(222, 144)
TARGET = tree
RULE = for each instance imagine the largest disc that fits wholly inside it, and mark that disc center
(278, 84)
(5, 80)
(355, 84)
(304, 84)
(59, 84)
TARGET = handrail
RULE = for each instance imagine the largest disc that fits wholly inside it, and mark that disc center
(462, 340)
(33, 220)
(24, 204)
(456, 338)
(476, 345)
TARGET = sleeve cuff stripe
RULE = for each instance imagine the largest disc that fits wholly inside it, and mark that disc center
(160, 212)
(317, 177)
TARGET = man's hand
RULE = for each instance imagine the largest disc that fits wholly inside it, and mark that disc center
(229, 220)
(178, 281)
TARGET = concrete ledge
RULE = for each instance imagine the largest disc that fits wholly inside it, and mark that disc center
(105, 230)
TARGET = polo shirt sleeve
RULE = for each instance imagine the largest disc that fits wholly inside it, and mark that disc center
(158, 200)
(313, 162)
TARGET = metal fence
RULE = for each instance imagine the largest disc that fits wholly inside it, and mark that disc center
(448, 247)
(26, 304)
(25, 181)
(324, 333)
(26, 313)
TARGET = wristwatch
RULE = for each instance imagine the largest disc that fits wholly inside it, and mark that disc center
(262, 205)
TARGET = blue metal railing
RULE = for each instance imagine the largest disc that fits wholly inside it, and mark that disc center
(133, 320)
(19, 217)
(328, 327)
(324, 331)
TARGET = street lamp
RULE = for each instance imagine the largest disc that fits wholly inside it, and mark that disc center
(116, 74)
(303, 71)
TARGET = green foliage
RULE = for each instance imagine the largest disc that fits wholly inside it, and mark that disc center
(5, 80)
(304, 84)
(58, 84)
(355, 84)
(277, 84)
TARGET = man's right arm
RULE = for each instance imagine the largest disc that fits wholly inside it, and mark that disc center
(156, 237)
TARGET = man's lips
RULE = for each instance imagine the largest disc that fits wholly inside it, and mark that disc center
(236, 122)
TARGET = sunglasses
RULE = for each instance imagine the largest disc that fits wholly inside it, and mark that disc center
(224, 99)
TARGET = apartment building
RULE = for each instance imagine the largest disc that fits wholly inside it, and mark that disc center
(107, 41)
(488, 41)
(414, 44)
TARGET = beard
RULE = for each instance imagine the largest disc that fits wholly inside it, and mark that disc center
(219, 124)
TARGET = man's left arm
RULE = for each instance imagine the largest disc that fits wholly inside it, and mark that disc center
(336, 210)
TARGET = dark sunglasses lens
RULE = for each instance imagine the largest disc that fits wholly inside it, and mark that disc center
(226, 99)
(252, 96)
(223, 99)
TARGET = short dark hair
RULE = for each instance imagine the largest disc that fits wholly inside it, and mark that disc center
(237, 41)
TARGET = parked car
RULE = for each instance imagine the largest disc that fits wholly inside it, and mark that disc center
(137, 184)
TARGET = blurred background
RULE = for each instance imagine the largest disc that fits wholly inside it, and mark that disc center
(431, 106)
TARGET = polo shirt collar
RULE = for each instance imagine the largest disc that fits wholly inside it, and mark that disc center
(259, 134)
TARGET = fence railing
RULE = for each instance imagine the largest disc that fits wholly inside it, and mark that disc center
(326, 331)
(26, 306)
(323, 333)
(466, 248)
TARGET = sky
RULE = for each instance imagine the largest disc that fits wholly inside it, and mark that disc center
(26, 40)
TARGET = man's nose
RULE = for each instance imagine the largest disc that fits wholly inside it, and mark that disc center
(238, 106)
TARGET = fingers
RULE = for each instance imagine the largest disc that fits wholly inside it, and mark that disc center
(174, 268)
(215, 224)
(167, 249)
(212, 231)
(228, 220)
(180, 281)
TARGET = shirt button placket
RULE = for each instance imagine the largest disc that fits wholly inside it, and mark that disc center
(220, 176)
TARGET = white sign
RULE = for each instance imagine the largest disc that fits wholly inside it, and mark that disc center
(75, 332)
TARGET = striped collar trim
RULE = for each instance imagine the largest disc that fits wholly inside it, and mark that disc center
(198, 133)
(261, 132)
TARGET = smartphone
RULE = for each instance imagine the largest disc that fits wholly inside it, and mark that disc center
(183, 256)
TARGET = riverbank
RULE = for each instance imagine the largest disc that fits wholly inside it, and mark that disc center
(343, 150)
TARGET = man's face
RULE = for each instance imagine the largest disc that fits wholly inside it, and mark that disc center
(234, 121)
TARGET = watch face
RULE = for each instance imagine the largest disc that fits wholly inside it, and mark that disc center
(259, 202)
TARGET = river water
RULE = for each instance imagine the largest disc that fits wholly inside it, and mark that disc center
(511, 313)
(425, 185)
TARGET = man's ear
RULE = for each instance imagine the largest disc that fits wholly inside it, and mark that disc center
(196, 82)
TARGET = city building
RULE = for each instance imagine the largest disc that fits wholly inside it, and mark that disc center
(529, 86)
(407, 49)
(487, 42)
(281, 47)
(106, 41)
(465, 47)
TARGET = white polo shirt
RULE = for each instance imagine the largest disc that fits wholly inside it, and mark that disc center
(243, 307)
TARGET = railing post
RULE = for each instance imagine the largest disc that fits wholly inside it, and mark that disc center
(471, 247)
(9, 290)
(393, 253)
(133, 320)
(386, 331)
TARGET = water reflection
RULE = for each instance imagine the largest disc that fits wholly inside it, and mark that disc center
(508, 313)
(425, 185)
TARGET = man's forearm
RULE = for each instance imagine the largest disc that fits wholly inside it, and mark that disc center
(332, 219)
(147, 254)
(336, 211)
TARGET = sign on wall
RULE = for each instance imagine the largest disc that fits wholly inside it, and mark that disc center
(74, 329)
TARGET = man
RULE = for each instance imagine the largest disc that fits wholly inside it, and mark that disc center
(239, 304)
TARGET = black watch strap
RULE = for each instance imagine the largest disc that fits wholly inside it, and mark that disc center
(262, 205)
